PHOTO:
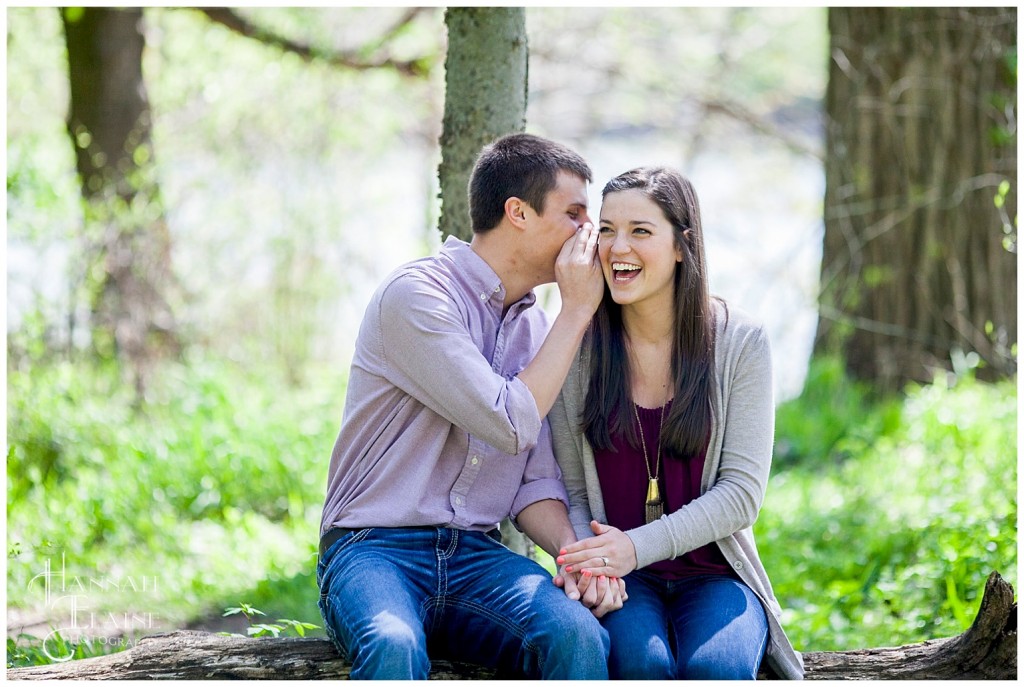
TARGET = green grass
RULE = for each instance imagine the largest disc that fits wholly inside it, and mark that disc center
(886, 540)
(881, 523)
(27, 650)
(210, 490)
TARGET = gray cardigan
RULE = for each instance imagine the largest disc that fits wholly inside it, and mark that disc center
(733, 481)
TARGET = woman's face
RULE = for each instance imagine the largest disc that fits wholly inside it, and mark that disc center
(637, 248)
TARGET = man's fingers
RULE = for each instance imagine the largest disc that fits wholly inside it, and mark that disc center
(587, 589)
(568, 583)
(592, 238)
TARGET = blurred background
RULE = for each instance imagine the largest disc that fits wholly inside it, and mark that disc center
(180, 322)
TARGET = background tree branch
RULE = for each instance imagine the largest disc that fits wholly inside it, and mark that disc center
(350, 59)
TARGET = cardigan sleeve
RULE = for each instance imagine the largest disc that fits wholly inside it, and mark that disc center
(567, 439)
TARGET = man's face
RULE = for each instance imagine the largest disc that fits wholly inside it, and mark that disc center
(565, 211)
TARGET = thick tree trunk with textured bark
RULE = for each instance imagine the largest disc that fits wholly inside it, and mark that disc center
(919, 265)
(127, 235)
(988, 650)
(485, 97)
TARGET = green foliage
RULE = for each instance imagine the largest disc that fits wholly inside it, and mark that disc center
(219, 460)
(893, 543)
(1009, 225)
(269, 629)
(833, 418)
(28, 650)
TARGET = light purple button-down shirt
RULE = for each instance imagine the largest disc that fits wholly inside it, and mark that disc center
(438, 429)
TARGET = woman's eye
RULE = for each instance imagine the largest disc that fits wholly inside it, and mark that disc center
(641, 231)
(604, 230)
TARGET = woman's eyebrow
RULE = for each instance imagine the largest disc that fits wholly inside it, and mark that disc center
(632, 222)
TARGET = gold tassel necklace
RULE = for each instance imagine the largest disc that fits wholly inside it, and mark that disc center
(655, 506)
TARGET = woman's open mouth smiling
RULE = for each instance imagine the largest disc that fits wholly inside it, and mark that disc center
(625, 271)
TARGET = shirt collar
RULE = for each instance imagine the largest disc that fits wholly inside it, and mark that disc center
(479, 276)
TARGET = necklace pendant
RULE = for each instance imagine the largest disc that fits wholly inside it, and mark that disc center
(654, 508)
(653, 493)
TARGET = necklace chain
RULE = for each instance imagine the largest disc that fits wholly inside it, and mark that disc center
(643, 444)
(654, 507)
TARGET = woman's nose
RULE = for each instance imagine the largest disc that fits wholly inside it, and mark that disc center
(618, 244)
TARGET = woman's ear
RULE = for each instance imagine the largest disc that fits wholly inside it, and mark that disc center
(685, 236)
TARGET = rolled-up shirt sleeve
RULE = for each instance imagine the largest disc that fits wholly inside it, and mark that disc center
(542, 478)
(430, 354)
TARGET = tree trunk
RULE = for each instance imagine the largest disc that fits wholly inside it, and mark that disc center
(485, 97)
(988, 650)
(127, 236)
(919, 264)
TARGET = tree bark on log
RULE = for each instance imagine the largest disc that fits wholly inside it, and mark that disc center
(987, 650)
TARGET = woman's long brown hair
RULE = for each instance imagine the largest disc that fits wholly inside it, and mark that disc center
(606, 411)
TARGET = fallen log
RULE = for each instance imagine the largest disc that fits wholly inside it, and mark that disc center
(987, 650)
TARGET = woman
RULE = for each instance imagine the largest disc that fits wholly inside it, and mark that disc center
(664, 432)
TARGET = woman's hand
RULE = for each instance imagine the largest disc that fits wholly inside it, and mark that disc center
(611, 553)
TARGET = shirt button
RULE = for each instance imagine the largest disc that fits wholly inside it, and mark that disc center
(458, 500)
(738, 565)
(475, 460)
(483, 296)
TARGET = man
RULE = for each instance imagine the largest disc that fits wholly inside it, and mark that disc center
(444, 435)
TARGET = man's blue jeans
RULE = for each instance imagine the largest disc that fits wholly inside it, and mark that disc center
(709, 627)
(386, 594)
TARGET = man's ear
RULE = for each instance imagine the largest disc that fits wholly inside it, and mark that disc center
(515, 210)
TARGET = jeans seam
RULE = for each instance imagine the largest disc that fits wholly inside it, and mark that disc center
(329, 630)
(440, 600)
(762, 652)
(502, 622)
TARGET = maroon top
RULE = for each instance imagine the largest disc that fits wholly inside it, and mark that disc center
(624, 479)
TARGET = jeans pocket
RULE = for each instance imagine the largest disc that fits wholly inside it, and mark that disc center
(323, 566)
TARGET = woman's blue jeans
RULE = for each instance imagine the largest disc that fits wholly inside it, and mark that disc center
(709, 627)
(387, 594)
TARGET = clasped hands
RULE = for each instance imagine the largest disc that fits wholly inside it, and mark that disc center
(591, 570)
